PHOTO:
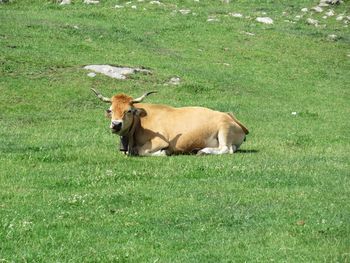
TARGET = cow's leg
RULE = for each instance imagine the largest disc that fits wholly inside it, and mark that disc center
(218, 150)
(155, 147)
(225, 143)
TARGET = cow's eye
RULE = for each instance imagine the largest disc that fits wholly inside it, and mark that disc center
(108, 111)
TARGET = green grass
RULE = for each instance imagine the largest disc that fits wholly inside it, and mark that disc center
(68, 195)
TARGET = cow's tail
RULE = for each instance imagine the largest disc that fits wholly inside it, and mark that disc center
(245, 129)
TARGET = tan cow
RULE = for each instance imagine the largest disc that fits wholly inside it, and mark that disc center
(156, 130)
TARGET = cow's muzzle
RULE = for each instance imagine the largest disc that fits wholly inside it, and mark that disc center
(116, 126)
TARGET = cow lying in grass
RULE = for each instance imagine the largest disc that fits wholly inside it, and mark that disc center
(158, 130)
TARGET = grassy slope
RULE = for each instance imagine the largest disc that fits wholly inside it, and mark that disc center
(66, 195)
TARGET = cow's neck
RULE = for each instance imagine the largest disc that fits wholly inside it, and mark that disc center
(131, 133)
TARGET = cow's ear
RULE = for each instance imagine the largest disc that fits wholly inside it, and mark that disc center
(141, 112)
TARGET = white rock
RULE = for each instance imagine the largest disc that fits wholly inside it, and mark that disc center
(332, 2)
(311, 21)
(294, 113)
(185, 11)
(304, 10)
(249, 34)
(91, 75)
(238, 15)
(264, 20)
(65, 2)
(155, 3)
(332, 37)
(325, 17)
(115, 72)
(118, 6)
(134, 7)
(174, 81)
(94, 2)
(213, 20)
(340, 18)
(288, 21)
(317, 9)
(323, 4)
(330, 13)
(75, 27)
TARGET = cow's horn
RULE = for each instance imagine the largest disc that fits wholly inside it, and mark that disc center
(140, 99)
(99, 95)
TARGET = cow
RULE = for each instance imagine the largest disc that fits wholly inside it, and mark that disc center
(160, 130)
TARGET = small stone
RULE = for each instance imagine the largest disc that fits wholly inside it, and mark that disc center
(288, 21)
(332, 37)
(330, 13)
(91, 75)
(325, 17)
(317, 9)
(155, 3)
(323, 4)
(75, 27)
(118, 6)
(311, 21)
(134, 7)
(65, 2)
(213, 20)
(264, 20)
(294, 113)
(89, 2)
(185, 11)
(332, 2)
(340, 18)
(174, 81)
(304, 10)
(238, 15)
(249, 34)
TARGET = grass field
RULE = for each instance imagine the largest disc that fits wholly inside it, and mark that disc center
(68, 195)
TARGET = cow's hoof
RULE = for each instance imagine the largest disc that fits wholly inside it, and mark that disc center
(201, 153)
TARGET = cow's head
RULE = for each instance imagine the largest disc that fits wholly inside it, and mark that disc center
(122, 111)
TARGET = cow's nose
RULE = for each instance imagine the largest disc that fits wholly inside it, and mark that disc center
(116, 125)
